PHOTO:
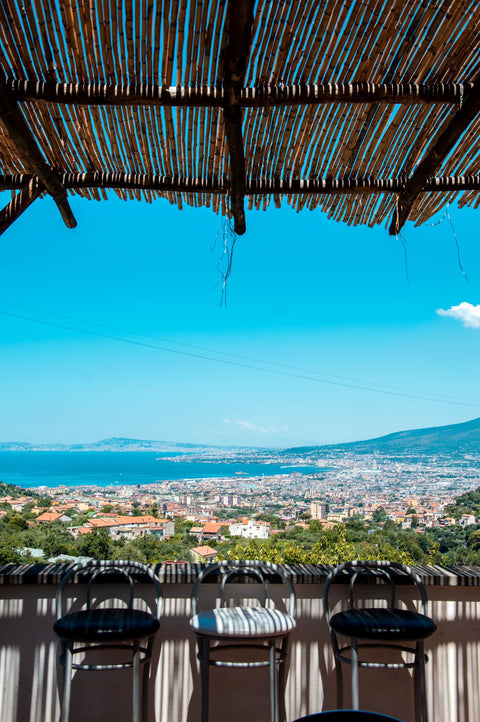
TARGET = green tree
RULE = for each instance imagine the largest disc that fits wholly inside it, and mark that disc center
(334, 547)
(275, 522)
(389, 525)
(57, 540)
(8, 555)
(182, 526)
(98, 544)
(315, 527)
(17, 522)
(379, 514)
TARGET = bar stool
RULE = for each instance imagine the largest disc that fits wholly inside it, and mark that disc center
(245, 627)
(347, 715)
(379, 627)
(93, 623)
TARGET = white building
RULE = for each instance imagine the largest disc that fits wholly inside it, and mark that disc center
(318, 510)
(250, 529)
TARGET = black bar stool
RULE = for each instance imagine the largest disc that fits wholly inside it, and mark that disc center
(347, 715)
(93, 624)
(376, 627)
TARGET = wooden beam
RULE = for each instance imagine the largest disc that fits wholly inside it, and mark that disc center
(240, 23)
(260, 96)
(434, 158)
(20, 203)
(16, 127)
(233, 131)
(253, 187)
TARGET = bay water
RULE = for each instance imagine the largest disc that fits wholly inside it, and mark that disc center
(32, 469)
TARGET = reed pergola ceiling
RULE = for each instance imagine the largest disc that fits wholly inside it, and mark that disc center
(365, 109)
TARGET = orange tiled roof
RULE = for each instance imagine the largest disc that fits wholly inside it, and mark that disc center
(101, 523)
(212, 528)
(204, 551)
(49, 516)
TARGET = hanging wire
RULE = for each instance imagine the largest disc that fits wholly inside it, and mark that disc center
(403, 241)
(436, 223)
(457, 246)
(446, 216)
(228, 238)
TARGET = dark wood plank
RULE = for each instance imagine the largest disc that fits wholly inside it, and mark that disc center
(435, 156)
(16, 127)
(240, 22)
(19, 204)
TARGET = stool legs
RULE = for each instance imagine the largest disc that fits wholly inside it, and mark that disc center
(145, 680)
(277, 686)
(67, 662)
(354, 662)
(420, 697)
(204, 645)
(273, 681)
(136, 682)
(67, 680)
(421, 714)
(282, 668)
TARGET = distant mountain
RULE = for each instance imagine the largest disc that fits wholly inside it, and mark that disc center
(113, 444)
(121, 444)
(464, 437)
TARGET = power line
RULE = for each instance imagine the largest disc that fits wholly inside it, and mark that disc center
(433, 396)
(303, 375)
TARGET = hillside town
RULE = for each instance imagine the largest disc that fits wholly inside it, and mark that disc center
(409, 493)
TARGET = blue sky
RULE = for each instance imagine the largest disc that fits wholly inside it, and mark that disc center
(112, 329)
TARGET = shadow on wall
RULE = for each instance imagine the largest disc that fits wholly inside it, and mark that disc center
(30, 677)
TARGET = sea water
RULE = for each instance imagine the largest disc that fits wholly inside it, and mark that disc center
(106, 468)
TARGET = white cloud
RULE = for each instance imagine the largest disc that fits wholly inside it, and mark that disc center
(248, 426)
(465, 312)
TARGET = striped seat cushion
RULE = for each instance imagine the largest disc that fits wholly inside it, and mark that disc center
(242, 622)
(106, 625)
(383, 624)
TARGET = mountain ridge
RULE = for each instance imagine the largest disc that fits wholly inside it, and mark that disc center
(462, 437)
(115, 443)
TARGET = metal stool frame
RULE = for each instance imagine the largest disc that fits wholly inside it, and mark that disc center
(347, 715)
(276, 644)
(141, 654)
(384, 571)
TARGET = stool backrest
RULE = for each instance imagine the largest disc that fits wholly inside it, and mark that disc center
(390, 573)
(92, 572)
(262, 573)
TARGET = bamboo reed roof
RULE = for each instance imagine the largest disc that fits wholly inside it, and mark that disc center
(365, 109)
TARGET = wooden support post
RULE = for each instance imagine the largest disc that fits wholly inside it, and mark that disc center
(240, 22)
(434, 158)
(17, 129)
(17, 205)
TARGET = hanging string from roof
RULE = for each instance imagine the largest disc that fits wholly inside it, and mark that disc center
(400, 237)
(447, 216)
(228, 238)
